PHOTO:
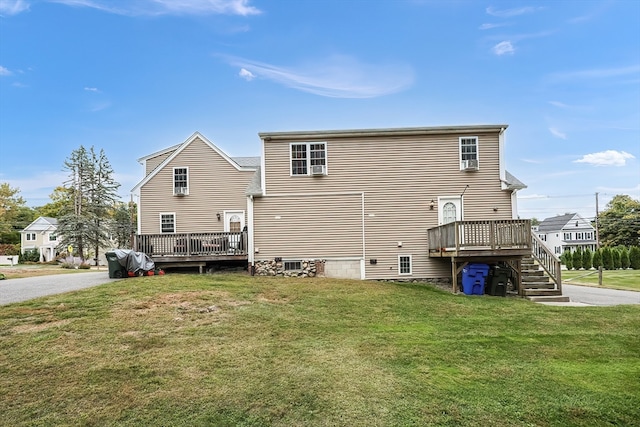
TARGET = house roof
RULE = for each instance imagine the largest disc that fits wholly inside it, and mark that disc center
(42, 223)
(266, 136)
(244, 164)
(255, 185)
(557, 223)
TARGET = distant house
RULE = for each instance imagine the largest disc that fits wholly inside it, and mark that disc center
(567, 232)
(41, 234)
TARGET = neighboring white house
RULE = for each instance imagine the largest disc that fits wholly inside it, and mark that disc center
(41, 234)
(567, 232)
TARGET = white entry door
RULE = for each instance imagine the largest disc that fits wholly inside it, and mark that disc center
(449, 209)
(234, 223)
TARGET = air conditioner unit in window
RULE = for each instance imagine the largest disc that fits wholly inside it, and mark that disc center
(318, 170)
(180, 191)
(470, 165)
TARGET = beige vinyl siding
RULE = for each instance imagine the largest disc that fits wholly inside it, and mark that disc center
(312, 227)
(154, 162)
(399, 175)
(214, 186)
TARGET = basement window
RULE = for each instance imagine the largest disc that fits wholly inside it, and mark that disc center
(293, 265)
(404, 264)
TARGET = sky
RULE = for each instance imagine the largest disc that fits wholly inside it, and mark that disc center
(133, 77)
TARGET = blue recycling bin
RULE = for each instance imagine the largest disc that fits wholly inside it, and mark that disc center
(473, 278)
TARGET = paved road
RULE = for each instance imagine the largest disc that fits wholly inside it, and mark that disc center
(16, 290)
(599, 296)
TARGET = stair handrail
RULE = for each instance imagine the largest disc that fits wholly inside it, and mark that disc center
(547, 259)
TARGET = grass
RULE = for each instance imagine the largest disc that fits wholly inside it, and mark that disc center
(185, 350)
(614, 279)
(31, 270)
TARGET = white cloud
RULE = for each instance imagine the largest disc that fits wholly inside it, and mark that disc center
(339, 76)
(558, 104)
(4, 71)
(504, 48)
(13, 7)
(490, 26)
(507, 13)
(533, 196)
(91, 89)
(606, 158)
(246, 74)
(168, 7)
(597, 73)
(555, 132)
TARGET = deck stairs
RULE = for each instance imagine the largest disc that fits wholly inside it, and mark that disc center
(537, 286)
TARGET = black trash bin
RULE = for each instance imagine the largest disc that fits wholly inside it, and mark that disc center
(497, 281)
(116, 271)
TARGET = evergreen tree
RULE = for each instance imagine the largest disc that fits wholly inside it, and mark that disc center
(577, 259)
(624, 257)
(91, 192)
(123, 224)
(634, 257)
(607, 260)
(567, 259)
(615, 257)
(586, 259)
(597, 258)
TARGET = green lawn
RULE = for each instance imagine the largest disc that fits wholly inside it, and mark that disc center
(190, 350)
(614, 279)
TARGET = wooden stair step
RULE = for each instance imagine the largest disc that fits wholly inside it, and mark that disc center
(554, 298)
(541, 292)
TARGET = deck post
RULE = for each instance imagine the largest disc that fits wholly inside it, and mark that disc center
(454, 275)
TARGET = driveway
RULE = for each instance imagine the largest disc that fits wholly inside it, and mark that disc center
(599, 296)
(16, 290)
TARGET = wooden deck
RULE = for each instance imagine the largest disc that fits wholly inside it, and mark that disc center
(480, 239)
(193, 249)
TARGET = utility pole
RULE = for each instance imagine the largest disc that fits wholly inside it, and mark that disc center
(598, 243)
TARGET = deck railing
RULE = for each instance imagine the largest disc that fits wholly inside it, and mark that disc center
(491, 235)
(191, 244)
(549, 261)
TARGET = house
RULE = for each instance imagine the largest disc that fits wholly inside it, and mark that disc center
(192, 204)
(382, 204)
(41, 235)
(567, 232)
(408, 203)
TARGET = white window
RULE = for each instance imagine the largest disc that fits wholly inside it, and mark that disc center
(181, 181)
(404, 264)
(293, 265)
(567, 236)
(304, 156)
(31, 236)
(53, 237)
(468, 150)
(168, 222)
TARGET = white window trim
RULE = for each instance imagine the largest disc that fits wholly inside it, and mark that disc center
(284, 264)
(173, 178)
(175, 223)
(410, 265)
(308, 145)
(31, 237)
(460, 149)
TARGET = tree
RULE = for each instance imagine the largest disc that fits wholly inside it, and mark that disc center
(567, 259)
(586, 259)
(91, 195)
(624, 257)
(597, 258)
(123, 223)
(60, 199)
(619, 223)
(615, 257)
(577, 259)
(535, 221)
(607, 259)
(634, 257)
(10, 202)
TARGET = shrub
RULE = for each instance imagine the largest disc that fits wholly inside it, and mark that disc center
(607, 259)
(567, 259)
(84, 266)
(597, 258)
(634, 257)
(577, 259)
(615, 257)
(30, 255)
(9, 249)
(586, 259)
(624, 257)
